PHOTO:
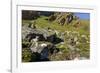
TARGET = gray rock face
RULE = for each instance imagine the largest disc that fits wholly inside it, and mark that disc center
(36, 32)
(36, 35)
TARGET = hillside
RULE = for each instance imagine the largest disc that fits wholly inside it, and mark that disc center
(70, 37)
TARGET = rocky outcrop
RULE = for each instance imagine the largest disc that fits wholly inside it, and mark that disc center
(30, 15)
(63, 17)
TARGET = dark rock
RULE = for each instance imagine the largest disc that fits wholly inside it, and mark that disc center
(30, 15)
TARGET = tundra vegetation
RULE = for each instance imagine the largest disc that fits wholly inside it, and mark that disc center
(54, 36)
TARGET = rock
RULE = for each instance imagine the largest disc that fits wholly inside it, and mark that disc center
(44, 53)
(52, 18)
(71, 48)
(29, 33)
(41, 47)
(64, 18)
(34, 47)
(29, 15)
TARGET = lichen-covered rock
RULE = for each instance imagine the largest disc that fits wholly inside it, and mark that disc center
(63, 17)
